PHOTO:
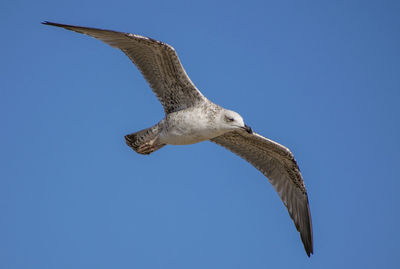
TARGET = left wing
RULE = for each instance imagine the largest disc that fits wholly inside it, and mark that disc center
(277, 163)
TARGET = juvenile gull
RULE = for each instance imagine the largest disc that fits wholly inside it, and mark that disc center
(190, 118)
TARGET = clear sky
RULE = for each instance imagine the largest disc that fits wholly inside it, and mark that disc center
(320, 77)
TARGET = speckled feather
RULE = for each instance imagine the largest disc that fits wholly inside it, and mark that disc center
(157, 61)
(161, 67)
(277, 163)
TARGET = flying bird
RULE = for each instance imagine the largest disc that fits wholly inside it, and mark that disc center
(191, 118)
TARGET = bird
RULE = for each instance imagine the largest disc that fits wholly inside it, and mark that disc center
(191, 118)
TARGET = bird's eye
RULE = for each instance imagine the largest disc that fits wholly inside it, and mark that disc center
(228, 119)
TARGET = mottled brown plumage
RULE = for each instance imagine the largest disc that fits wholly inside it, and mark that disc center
(191, 118)
(157, 61)
(277, 163)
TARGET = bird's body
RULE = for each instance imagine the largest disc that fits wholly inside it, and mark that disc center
(191, 125)
(191, 118)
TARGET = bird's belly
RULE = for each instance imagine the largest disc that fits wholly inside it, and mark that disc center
(185, 137)
(188, 127)
(188, 132)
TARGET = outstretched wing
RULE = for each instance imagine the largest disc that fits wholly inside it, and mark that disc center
(158, 63)
(277, 163)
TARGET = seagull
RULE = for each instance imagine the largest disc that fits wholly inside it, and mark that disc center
(191, 118)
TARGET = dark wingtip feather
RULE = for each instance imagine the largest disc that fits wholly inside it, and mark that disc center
(307, 237)
(50, 23)
(57, 24)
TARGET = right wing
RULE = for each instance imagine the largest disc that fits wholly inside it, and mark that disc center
(157, 61)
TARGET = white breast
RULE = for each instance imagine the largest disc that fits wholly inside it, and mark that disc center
(188, 127)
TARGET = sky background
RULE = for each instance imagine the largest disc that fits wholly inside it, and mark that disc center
(320, 77)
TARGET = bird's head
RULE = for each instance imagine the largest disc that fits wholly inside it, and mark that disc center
(230, 121)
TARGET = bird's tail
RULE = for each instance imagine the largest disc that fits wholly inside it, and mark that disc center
(145, 141)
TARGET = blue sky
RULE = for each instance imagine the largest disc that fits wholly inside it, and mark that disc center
(320, 77)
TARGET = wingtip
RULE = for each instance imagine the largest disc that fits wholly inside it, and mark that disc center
(309, 246)
(309, 252)
(50, 23)
(53, 24)
(308, 237)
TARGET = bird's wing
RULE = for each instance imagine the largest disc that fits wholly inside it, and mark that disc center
(277, 163)
(158, 63)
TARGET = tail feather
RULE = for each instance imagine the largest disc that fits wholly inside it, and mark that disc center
(145, 141)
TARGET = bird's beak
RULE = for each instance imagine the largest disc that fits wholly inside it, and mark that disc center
(248, 129)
